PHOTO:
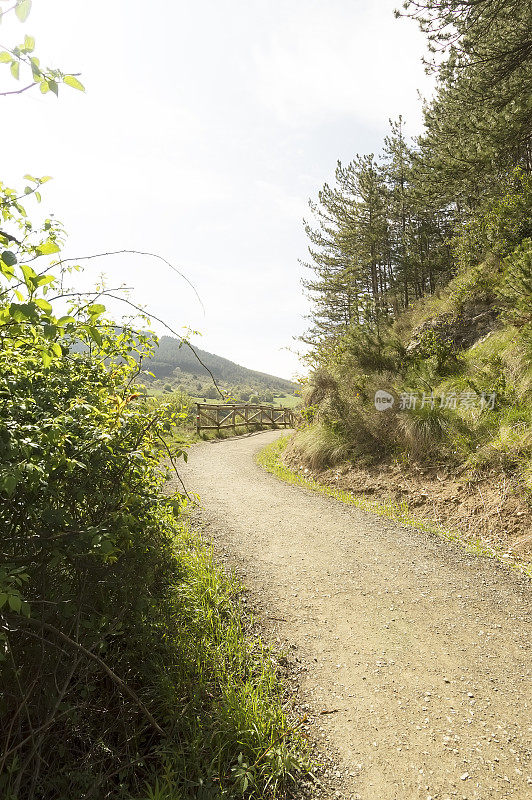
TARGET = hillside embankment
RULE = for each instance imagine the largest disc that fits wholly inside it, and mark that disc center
(488, 512)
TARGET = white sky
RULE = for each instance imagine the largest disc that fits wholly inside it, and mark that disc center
(205, 128)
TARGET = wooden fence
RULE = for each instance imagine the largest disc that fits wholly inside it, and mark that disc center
(214, 417)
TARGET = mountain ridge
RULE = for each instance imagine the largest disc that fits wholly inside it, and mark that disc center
(172, 358)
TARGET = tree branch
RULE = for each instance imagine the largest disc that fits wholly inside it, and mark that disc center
(139, 253)
(18, 91)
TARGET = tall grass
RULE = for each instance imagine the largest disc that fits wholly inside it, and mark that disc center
(221, 694)
(323, 446)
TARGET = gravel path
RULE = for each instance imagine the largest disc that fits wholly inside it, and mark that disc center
(418, 650)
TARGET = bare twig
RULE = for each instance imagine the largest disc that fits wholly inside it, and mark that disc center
(139, 253)
(173, 465)
(181, 339)
(18, 91)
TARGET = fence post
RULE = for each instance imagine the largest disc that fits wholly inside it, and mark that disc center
(197, 418)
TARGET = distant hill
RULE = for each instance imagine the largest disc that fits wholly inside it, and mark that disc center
(174, 363)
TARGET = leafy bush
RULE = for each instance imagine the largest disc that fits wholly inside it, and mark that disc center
(123, 661)
(479, 283)
(434, 345)
(501, 222)
(516, 290)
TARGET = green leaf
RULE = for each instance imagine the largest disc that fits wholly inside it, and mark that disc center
(5, 57)
(44, 87)
(23, 9)
(50, 331)
(9, 258)
(95, 335)
(70, 80)
(14, 602)
(46, 358)
(15, 69)
(29, 43)
(29, 276)
(21, 312)
(8, 482)
(43, 280)
(62, 321)
(3, 599)
(44, 305)
(7, 272)
(48, 247)
(53, 87)
(96, 309)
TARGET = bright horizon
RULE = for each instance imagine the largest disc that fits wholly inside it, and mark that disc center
(203, 133)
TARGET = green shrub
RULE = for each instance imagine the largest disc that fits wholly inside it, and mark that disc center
(369, 351)
(479, 283)
(516, 290)
(123, 659)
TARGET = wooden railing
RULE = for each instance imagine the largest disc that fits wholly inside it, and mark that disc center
(214, 417)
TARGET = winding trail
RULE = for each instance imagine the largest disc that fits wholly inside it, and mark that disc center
(418, 650)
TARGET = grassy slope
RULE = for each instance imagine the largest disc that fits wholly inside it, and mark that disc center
(476, 448)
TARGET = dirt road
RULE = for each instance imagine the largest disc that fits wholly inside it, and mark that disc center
(419, 650)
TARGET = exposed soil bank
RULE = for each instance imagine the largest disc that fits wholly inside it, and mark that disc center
(490, 508)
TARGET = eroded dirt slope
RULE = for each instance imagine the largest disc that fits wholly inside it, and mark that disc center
(420, 651)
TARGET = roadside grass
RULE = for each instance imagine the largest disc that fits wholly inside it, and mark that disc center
(184, 436)
(219, 691)
(270, 458)
(287, 401)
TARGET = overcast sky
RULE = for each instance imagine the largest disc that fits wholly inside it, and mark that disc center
(205, 128)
